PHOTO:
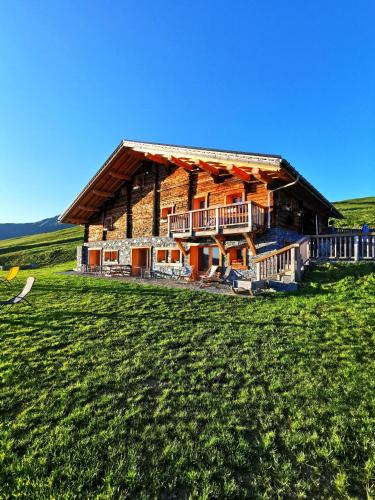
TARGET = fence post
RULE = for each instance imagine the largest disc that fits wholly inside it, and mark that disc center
(191, 223)
(293, 263)
(257, 270)
(217, 220)
(250, 216)
(356, 248)
(298, 268)
(169, 226)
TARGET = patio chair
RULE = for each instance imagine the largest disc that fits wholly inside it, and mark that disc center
(12, 273)
(225, 277)
(21, 297)
(187, 273)
(212, 276)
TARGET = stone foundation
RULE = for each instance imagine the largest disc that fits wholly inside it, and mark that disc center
(273, 239)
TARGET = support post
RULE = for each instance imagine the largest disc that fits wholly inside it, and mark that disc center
(217, 220)
(298, 267)
(257, 270)
(293, 263)
(356, 248)
(169, 226)
(191, 223)
(250, 217)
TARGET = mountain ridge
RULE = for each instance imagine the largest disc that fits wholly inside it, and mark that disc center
(15, 230)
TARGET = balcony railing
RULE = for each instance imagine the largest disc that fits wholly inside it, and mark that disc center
(247, 216)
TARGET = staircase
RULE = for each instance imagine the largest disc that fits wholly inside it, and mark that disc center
(288, 264)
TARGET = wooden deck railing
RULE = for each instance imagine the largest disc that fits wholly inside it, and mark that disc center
(294, 258)
(247, 215)
(343, 246)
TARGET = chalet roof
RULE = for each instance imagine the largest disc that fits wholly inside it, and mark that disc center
(126, 158)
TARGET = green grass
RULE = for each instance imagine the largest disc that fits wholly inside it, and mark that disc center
(115, 390)
(356, 212)
(42, 249)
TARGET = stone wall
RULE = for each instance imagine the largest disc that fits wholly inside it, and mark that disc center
(274, 239)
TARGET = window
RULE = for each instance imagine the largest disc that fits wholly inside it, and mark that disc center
(175, 256)
(110, 256)
(165, 211)
(139, 181)
(168, 256)
(200, 202)
(162, 256)
(108, 224)
(237, 256)
(232, 198)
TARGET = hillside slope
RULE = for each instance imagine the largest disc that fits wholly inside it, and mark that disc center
(356, 212)
(12, 230)
(42, 249)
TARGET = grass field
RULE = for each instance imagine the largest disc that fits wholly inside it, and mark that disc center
(115, 390)
(356, 212)
(42, 249)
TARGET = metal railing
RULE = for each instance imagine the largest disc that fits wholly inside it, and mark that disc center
(248, 215)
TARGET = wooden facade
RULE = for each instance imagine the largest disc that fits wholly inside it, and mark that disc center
(185, 194)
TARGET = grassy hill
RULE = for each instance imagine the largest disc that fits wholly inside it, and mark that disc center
(356, 212)
(117, 390)
(43, 249)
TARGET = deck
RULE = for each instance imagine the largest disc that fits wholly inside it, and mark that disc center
(223, 219)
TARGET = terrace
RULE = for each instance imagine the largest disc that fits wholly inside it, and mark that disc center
(223, 219)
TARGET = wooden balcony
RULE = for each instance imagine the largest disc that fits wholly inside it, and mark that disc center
(224, 219)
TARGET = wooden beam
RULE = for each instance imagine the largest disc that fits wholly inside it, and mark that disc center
(209, 168)
(120, 176)
(88, 208)
(181, 247)
(219, 243)
(261, 176)
(102, 194)
(75, 221)
(241, 174)
(250, 242)
(181, 163)
(158, 159)
(137, 154)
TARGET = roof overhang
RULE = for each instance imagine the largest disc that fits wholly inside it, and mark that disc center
(123, 163)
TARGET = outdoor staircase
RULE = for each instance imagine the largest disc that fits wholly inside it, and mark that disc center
(283, 269)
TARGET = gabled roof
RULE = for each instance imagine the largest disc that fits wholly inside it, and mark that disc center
(126, 158)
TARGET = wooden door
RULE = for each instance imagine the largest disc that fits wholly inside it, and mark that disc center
(140, 258)
(94, 257)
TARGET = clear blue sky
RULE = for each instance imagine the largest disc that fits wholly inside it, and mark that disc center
(286, 77)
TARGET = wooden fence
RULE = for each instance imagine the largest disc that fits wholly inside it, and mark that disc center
(293, 259)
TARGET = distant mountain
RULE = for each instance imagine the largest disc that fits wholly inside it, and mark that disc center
(28, 228)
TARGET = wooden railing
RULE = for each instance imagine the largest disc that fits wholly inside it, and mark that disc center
(294, 258)
(291, 259)
(247, 215)
(343, 246)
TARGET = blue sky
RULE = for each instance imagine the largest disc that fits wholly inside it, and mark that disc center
(292, 78)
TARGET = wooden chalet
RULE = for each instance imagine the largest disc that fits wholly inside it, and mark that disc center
(157, 206)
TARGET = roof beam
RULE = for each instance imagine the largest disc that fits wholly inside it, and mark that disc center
(88, 208)
(102, 194)
(120, 176)
(181, 163)
(158, 159)
(241, 174)
(209, 168)
(75, 221)
(261, 176)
